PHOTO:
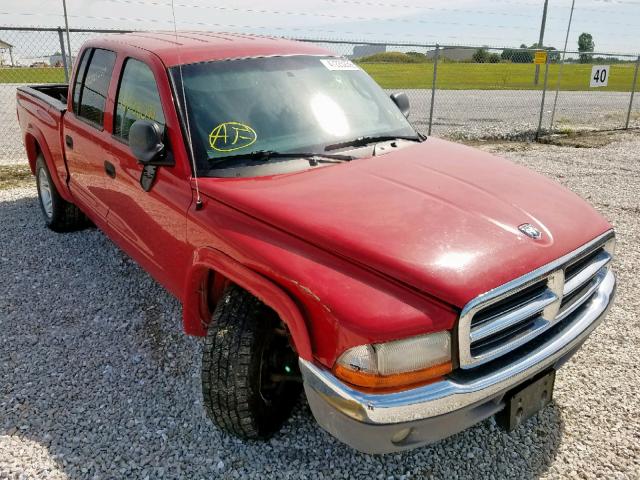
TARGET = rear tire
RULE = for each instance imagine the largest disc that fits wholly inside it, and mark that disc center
(250, 375)
(59, 215)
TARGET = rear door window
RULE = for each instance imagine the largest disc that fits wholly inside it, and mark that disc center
(77, 86)
(93, 94)
(138, 98)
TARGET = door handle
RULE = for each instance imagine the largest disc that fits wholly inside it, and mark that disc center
(110, 169)
(68, 140)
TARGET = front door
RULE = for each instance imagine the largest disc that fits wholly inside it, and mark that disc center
(152, 222)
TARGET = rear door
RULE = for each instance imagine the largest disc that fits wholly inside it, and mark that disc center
(86, 140)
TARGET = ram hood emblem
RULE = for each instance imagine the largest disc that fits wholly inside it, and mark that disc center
(530, 231)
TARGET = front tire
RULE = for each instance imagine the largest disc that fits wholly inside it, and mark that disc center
(59, 215)
(250, 376)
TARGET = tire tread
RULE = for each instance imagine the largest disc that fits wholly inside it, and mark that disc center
(229, 383)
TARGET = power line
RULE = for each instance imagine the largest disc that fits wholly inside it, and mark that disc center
(231, 25)
(421, 35)
(26, 14)
(389, 5)
(364, 18)
(371, 3)
(469, 38)
(323, 15)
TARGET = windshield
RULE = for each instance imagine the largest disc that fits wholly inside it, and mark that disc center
(282, 104)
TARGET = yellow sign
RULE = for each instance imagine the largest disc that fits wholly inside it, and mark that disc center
(540, 58)
(230, 136)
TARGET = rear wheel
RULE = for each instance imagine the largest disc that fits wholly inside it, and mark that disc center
(59, 215)
(250, 376)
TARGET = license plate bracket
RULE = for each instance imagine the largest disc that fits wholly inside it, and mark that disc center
(527, 400)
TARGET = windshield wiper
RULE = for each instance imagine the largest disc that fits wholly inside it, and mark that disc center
(266, 155)
(362, 141)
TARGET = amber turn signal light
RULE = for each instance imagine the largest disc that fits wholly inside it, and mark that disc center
(394, 381)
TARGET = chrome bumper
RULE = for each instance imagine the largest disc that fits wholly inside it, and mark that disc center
(383, 423)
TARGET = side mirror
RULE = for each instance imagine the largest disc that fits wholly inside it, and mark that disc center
(145, 141)
(402, 102)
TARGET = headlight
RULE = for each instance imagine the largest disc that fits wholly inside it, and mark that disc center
(397, 364)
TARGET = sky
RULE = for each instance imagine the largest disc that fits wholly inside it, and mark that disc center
(614, 24)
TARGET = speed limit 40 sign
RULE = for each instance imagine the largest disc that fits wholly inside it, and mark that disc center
(599, 76)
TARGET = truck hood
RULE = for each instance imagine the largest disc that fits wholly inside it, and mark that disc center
(438, 216)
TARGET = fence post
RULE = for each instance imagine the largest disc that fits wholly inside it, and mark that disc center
(63, 54)
(544, 93)
(433, 85)
(633, 90)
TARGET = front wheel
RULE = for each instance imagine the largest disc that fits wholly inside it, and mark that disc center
(59, 215)
(250, 375)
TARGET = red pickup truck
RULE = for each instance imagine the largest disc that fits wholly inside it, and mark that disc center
(412, 286)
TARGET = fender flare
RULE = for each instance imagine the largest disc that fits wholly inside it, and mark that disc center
(208, 259)
(33, 141)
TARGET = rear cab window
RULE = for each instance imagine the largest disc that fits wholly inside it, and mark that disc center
(92, 84)
(137, 99)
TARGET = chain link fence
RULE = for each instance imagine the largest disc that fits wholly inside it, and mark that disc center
(634, 108)
(32, 56)
(486, 93)
(581, 107)
(458, 92)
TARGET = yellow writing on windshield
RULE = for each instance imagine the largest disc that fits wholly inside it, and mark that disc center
(230, 136)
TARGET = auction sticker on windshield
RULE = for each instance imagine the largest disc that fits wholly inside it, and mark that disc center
(338, 64)
(230, 136)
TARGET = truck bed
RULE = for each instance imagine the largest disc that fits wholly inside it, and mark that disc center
(53, 94)
(41, 109)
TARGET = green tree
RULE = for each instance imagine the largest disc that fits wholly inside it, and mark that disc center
(554, 55)
(585, 44)
(418, 56)
(522, 56)
(507, 54)
(480, 56)
(525, 54)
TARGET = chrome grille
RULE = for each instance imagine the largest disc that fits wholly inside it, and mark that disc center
(508, 317)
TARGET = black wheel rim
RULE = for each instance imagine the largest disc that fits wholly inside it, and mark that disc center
(278, 366)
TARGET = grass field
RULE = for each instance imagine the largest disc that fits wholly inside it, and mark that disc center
(451, 76)
(493, 76)
(31, 75)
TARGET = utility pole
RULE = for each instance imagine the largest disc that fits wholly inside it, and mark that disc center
(541, 40)
(564, 52)
(66, 25)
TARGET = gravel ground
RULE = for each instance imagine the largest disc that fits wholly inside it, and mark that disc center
(11, 148)
(514, 114)
(97, 380)
(460, 114)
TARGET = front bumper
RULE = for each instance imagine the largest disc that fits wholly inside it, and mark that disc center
(384, 423)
